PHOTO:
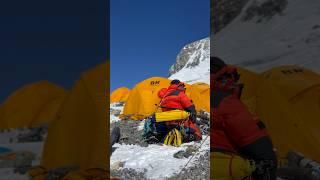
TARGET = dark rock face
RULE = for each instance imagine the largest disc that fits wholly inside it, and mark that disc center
(223, 12)
(191, 55)
(265, 10)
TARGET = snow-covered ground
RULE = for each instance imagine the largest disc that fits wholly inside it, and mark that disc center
(158, 161)
(289, 37)
(115, 108)
(34, 147)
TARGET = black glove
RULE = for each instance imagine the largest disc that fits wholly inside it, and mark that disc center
(261, 151)
(193, 113)
(193, 117)
(265, 170)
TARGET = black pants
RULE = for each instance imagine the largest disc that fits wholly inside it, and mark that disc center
(261, 151)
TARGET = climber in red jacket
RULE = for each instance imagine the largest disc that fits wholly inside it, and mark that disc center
(233, 128)
(173, 98)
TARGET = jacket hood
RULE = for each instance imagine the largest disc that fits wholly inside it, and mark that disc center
(176, 87)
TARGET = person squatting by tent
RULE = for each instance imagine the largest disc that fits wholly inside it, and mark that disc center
(237, 136)
(174, 131)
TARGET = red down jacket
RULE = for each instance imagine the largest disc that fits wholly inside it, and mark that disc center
(233, 126)
(174, 97)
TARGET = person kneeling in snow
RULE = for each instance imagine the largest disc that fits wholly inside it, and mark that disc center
(174, 98)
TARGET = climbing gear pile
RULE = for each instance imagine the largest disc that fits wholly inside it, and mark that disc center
(173, 138)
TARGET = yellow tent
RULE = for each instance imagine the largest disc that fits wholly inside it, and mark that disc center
(32, 105)
(286, 98)
(288, 102)
(79, 134)
(50, 110)
(200, 95)
(120, 95)
(143, 99)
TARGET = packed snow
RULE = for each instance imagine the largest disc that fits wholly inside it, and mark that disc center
(158, 161)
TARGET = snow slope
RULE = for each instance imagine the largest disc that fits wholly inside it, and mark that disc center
(194, 60)
(157, 161)
(291, 36)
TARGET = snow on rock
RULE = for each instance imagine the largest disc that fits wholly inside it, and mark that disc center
(34, 147)
(115, 110)
(117, 106)
(141, 125)
(193, 63)
(288, 32)
(114, 118)
(8, 174)
(156, 160)
(8, 135)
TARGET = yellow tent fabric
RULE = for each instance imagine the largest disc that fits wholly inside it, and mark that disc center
(50, 110)
(143, 99)
(200, 95)
(32, 105)
(287, 99)
(120, 95)
(252, 82)
(79, 134)
(288, 102)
